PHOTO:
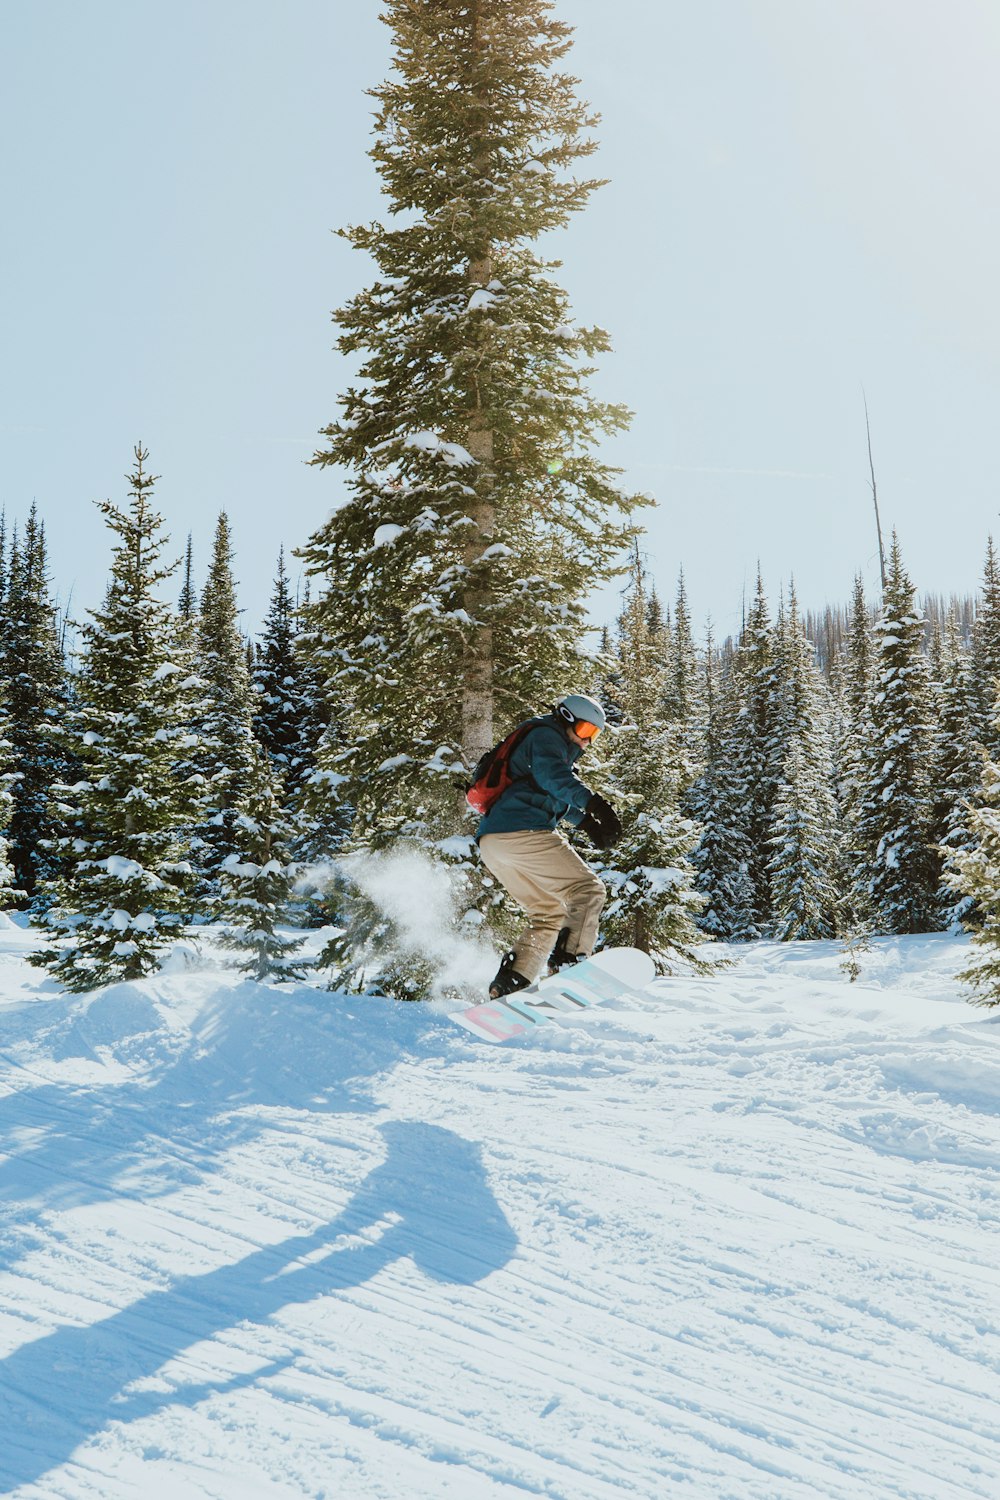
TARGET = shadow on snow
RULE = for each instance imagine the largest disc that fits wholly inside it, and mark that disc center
(428, 1200)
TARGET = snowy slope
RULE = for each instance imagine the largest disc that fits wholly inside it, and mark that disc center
(737, 1239)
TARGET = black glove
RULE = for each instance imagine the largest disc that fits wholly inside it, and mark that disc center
(601, 823)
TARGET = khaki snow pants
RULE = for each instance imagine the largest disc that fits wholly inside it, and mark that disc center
(550, 880)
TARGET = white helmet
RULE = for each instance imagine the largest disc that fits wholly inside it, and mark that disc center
(576, 709)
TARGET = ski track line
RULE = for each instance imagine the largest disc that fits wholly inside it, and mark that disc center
(922, 1415)
(620, 1205)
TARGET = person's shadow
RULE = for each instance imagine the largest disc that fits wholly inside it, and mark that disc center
(428, 1200)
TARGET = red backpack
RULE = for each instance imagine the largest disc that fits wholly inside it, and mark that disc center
(492, 777)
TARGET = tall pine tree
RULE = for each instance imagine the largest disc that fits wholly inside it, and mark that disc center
(804, 840)
(956, 769)
(852, 685)
(986, 653)
(756, 747)
(478, 517)
(36, 694)
(973, 876)
(119, 896)
(287, 718)
(653, 903)
(899, 871)
(225, 752)
(255, 882)
(717, 802)
(8, 780)
(187, 602)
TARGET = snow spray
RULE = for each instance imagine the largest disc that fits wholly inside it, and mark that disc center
(417, 896)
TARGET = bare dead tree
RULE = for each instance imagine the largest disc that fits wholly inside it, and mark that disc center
(871, 466)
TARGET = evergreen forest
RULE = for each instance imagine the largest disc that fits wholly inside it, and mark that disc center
(828, 773)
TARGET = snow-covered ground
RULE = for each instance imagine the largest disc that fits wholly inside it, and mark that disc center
(738, 1238)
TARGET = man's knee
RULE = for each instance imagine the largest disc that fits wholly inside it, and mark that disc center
(588, 890)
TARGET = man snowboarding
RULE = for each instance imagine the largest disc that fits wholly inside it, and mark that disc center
(520, 845)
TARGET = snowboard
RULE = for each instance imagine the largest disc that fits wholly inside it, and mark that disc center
(606, 975)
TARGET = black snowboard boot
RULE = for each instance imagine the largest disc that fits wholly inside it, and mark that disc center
(507, 979)
(560, 955)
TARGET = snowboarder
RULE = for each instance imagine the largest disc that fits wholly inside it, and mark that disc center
(520, 845)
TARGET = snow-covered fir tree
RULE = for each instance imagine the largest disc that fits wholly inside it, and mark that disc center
(223, 725)
(973, 876)
(322, 816)
(899, 871)
(287, 717)
(119, 894)
(804, 893)
(985, 665)
(609, 693)
(478, 516)
(653, 902)
(853, 680)
(956, 767)
(756, 747)
(35, 696)
(9, 777)
(683, 687)
(717, 799)
(255, 882)
(859, 657)
(290, 720)
(804, 840)
(187, 602)
(852, 733)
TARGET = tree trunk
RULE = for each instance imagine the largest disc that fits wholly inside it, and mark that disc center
(477, 667)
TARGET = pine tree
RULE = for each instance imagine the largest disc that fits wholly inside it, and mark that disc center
(973, 875)
(804, 841)
(35, 691)
(478, 517)
(757, 748)
(717, 801)
(855, 668)
(224, 723)
(853, 691)
(956, 768)
(683, 687)
(321, 814)
(119, 898)
(654, 902)
(986, 652)
(899, 870)
(290, 721)
(9, 777)
(187, 603)
(286, 719)
(802, 865)
(255, 882)
(610, 691)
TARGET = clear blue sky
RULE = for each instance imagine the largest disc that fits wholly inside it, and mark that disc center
(803, 200)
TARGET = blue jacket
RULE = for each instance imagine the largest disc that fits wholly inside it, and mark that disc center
(545, 789)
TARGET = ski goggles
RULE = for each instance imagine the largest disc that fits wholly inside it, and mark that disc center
(586, 730)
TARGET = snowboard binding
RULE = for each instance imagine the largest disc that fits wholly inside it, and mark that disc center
(507, 979)
(561, 957)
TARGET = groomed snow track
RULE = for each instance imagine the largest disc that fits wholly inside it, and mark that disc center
(735, 1241)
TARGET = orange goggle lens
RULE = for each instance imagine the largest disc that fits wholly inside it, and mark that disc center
(586, 731)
